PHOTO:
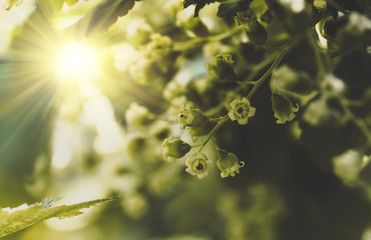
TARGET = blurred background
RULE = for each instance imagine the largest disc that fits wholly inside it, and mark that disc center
(91, 126)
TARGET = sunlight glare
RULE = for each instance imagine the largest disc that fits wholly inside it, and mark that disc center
(78, 62)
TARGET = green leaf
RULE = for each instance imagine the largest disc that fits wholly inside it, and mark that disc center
(100, 18)
(199, 4)
(15, 219)
(229, 9)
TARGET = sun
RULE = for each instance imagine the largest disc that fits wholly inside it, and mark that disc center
(78, 62)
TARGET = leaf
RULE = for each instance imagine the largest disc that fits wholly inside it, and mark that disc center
(199, 4)
(101, 17)
(229, 9)
(15, 219)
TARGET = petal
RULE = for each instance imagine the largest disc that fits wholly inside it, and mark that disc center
(231, 115)
(242, 121)
(252, 112)
(190, 171)
(234, 103)
(224, 174)
(202, 175)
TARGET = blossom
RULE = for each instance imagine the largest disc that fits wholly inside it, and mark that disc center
(174, 148)
(241, 110)
(197, 164)
(191, 117)
(228, 163)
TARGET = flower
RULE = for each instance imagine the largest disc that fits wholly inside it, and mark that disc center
(174, 148)
(197, 164)
(191, 117)
(241, 110)
(221, 67)
(228, 163)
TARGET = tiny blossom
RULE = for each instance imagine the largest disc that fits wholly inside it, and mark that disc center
(174, 148)
(241, 110)
(221, 67)
(197, 164)
(191, 117)
(228, 163)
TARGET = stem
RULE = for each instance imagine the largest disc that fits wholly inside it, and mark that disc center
(222, 120)
(181, 46)
(274, 65)
(360, 124)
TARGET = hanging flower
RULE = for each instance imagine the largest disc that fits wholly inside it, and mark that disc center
(174, 148)
(241, 110)
(228, 163)
(191, 117)
(197, 164)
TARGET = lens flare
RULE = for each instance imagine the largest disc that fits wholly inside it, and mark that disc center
(78, 62)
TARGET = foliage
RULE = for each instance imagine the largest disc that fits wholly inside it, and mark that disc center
(15, 219)
(233, 119)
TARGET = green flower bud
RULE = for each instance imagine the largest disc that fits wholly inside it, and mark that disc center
(241, 110)
(191, 117)
(221, 67)
(228, 163)
(174, 148)
(197, 164)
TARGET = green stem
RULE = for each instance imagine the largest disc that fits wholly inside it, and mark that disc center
(274, 65)
(181, 46)
(222, 120)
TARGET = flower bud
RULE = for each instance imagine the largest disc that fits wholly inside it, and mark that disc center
(174, 148)
(228, 163)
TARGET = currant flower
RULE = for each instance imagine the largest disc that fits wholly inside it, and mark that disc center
(191, 117)
(228, 163)
(173, 148)
(241, 110)
(221, 67)
(197, 164)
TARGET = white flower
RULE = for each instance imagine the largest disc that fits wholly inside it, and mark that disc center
(228, 163)
(197, 164)
(241, 110)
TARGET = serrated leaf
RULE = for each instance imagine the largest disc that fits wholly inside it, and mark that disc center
(12, 220)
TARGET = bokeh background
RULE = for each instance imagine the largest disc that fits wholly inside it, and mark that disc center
(102, 137)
